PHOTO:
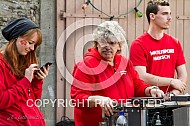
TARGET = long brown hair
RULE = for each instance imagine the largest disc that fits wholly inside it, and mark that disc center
(18, 63)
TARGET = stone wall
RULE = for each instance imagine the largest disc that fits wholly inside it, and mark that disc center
(11, 9)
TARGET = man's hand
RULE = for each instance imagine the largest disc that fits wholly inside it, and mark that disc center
(105, 102)
(154, 91)
(178, 85)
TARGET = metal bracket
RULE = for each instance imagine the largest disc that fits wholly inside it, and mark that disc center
(81, 15)
(183, 17)
(61, 15)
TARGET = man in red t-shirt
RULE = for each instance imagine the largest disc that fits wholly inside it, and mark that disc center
(156, 55)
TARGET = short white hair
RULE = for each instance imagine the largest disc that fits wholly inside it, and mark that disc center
(110, 30)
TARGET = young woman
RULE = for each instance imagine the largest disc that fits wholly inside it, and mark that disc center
(19, 87)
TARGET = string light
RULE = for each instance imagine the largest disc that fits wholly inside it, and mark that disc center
(85, 5)
(139, 14)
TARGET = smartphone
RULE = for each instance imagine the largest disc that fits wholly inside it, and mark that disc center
(41, 68)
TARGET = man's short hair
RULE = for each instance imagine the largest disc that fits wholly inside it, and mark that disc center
(152, 7)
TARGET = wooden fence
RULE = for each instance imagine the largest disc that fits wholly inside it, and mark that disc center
(69, 12)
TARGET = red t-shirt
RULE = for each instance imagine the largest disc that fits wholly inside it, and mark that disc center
(161, 57)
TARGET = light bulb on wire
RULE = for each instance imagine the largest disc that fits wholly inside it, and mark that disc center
(85, 5)
(139, 14)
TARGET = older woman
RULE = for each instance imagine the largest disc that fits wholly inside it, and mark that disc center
(104, 77)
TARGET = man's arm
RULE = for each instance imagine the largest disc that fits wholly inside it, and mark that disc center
(162, 81)
(181, 75)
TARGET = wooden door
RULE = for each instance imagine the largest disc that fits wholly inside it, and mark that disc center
(69, 13)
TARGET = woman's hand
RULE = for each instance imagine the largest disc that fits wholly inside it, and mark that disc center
(105, 102)
(42, 74)
(30, 71)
